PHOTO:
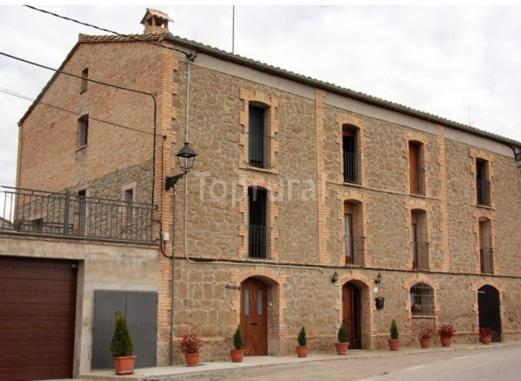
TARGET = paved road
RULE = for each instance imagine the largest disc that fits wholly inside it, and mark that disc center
(502, 363)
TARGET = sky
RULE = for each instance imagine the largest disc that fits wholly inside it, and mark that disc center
(462, 63)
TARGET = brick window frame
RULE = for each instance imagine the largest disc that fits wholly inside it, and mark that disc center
(408, 284)
(246, 182)
(419, 204)
(271, 102)
(418, 138)
(490, 215)
(362, 199)
(358, 123)
(475, 155)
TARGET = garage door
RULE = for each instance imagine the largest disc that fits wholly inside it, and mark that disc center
(37, 308)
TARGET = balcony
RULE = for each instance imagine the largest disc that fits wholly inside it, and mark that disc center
(258, 241)
(420, 255)
(486, 260)
(351, 167)
(68, 215)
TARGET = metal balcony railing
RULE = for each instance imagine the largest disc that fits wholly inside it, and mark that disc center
(258, 238)
(351, 167)
(483, 192)
(418, 184)
(258, 150)
(73, 216)
(486, 260)
(420, 255)
(354, 250)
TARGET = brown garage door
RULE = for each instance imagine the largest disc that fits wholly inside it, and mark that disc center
(37, 308)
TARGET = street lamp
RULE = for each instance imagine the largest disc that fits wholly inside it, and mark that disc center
(185, 159)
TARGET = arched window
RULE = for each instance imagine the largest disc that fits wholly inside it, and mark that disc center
(416, 168)
(419, 241)
(422, 300)
(259, 132)
(486, 255)
(351, 153)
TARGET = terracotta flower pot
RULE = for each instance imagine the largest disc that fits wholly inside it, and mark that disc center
(302, 351)
(425, 342)
(237, 355)
(394, 344)
(124, 364)
(192, 359)
(341, 348)
(445, 341)
(485, 339)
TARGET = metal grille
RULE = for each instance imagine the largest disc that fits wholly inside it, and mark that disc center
(418, 186)
(422, 300)
(73, 215)
(420, 252)
(354, 250)
(483, 189)
(351, 171)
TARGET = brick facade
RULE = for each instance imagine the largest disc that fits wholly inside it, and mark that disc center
(306, 199)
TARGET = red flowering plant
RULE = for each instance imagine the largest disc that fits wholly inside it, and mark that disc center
(190, 343)
(484, 331)
(426, 333)
(446, 330)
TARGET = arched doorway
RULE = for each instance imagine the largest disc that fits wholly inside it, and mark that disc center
(352, 313)
(489, 310)
(254, 316)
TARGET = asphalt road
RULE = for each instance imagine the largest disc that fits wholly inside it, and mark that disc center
(501, 363)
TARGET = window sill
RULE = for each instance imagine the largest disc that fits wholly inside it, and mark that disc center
(81, 148)
(423, 316)
(357, 185)
(489, 207)
(419, 195)
(259, 260)
(270, 171)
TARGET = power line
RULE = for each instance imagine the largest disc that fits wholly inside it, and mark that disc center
(24, 97)
(154, 101)
(190, 56)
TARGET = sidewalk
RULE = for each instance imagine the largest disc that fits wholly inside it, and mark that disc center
(214, 369)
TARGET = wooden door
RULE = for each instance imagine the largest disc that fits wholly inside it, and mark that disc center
(351, 314)
(254, 317)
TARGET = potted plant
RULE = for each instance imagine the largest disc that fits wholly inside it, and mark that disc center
(121, 347)
(486, 335)
(426, 337)
(190, 345)
(446, 332)
(237, 353)
(343, 340)
(394, 341)
(302, 348)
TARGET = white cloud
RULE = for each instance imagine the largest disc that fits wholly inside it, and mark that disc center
(437, 59)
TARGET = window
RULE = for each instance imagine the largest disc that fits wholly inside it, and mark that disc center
(83, 130)
(416, 168)
(82, 211)
(485, 247)
(258, 142)
(350, 153)
(482, 182)
(129, 211)
(422, 300)
(419, 244)
(353, 238)
(257, 218)
(84, 80)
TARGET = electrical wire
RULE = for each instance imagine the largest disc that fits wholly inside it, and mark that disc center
(151, 95)
(190, 56)
(24, 97)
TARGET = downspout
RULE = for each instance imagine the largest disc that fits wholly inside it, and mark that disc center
(187, 134)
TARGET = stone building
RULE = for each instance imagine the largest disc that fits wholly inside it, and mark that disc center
(308, 202)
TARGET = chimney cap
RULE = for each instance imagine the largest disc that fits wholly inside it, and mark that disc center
(154, 13)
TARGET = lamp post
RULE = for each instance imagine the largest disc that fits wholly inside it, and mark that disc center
(185, 158)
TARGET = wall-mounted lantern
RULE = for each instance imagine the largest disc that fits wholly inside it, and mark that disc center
(380, 303)
(334, 278)
(378, 279)
(185, 159)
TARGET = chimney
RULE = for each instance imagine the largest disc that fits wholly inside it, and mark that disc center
(155, 21)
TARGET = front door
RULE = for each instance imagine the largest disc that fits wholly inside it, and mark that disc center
(489, 310)
(254, 317)
(351, 314)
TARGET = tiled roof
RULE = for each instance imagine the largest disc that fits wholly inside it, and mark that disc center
(327, 86)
